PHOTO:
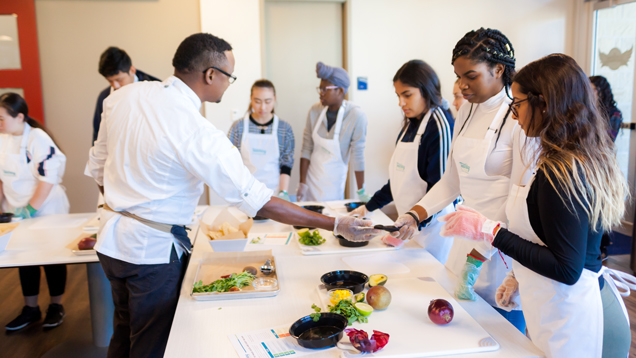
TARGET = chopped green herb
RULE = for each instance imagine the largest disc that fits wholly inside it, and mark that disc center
(316, 315)
(311, 239)
(347, 309)
(225, 284)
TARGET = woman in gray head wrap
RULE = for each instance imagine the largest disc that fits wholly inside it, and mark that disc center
(336, 130)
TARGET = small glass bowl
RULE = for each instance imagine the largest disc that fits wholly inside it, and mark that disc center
(265, 283)
(347, 295)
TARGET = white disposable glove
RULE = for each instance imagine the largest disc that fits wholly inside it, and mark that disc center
(407, 225)
(354, 229)
(301, 192)
(508, 293)
(361, 211)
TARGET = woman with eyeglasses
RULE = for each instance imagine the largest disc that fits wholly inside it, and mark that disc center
(555, 221)
(266, 142)
(480, 164)
(420, 154)
(336, 129)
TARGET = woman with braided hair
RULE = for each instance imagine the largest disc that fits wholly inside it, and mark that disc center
(479, 165)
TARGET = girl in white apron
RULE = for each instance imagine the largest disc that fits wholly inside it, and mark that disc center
(266, 143)
(480, 163)
(556, 221)
(31, 170)
(419, 158)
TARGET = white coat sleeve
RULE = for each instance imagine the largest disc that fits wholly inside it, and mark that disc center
(210, 157)
(46, 161)
(99, 152)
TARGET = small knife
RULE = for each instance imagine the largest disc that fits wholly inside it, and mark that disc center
(388, 228)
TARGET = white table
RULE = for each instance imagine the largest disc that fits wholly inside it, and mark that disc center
(200, 328)
(47, 246)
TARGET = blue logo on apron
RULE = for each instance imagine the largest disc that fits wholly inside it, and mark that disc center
(464, 167)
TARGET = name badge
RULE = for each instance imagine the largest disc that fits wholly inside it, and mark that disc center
(464, 167)
(8, 173)
(259, 151)
(399, 167)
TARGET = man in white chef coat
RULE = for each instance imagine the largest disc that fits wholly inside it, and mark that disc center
(152, 156)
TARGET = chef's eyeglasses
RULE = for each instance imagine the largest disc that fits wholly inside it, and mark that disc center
(514, 105)
(324, 89)
(232, 77)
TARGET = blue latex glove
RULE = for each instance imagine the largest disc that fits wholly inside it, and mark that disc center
(363, 196)
(26, 212)
(283, 195)
(465, 290)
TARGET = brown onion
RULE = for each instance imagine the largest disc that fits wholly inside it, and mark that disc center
(440, 312)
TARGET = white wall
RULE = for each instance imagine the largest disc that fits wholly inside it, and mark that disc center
(71, 37)
(384, 34)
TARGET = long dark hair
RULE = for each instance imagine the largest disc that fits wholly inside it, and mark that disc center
(263, 83)
(575, 145)
(15, 104)
(605, 96)
(492, 47)
(418, 74)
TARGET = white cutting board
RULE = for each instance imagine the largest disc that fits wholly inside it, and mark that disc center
(412, 334)
(332, 246)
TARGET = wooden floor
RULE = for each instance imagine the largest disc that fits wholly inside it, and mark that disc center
(34, 342)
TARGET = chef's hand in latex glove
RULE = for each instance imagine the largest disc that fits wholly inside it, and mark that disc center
(468, 224)
(407, 225)
(283, 195)
(301, 192)
(362, 195)
(361, 211)
(26, 212)
(507, 292)
(354, 229)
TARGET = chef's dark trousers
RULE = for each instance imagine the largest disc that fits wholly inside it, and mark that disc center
(145, 298)
(30, 279)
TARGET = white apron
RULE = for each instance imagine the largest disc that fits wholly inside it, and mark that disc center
(261, 154)
(19, 184)
(562, 320)
(486, 194)
(327, 172)
(407, 187)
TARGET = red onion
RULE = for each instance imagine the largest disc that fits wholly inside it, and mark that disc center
(440, 312)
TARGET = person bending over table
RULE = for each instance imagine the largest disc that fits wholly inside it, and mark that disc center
(267, 145)
(31, 171)
(555, 222)
(153, 154)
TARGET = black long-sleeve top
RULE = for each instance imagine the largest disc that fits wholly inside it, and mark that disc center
(571, 244)
(431, 155)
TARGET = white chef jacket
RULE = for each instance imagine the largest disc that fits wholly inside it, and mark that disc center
(153, 154)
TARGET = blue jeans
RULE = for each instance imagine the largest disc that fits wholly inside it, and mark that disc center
(514, 317)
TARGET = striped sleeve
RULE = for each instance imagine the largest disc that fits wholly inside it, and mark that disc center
(434, 148)
(236, 133)
(286, 146)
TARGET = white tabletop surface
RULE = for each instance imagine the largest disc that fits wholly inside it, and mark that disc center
(45, 246)
(200, 328)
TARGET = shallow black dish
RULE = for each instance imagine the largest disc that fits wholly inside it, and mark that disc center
(322, 334)
(259, 218)
(304, 227)
(352, 206)
(6, 218)
(315, 208)
(352, 280)
(346, 243)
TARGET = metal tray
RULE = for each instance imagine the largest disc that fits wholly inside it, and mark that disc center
(213, 265)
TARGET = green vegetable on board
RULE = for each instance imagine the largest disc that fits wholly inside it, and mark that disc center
(347, 309)
(310, 239)
(225, 284)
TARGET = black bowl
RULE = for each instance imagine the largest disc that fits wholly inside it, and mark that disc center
(259, 218)
(352, 206)
(315, 208)
(304, 227)
(322, 334)
(346, 243)
(352, 280)
(6, 218)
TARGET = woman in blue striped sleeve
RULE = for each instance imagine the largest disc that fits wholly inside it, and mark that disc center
(268, 147)
(31, 170)
(419, 159)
